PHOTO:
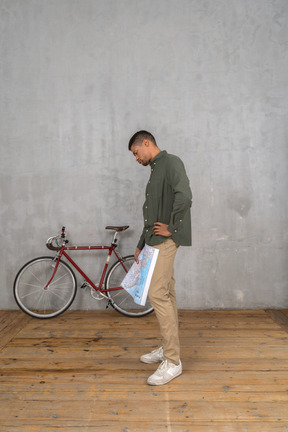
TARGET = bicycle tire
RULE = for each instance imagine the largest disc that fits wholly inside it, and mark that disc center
(29, 292)
(120, 299)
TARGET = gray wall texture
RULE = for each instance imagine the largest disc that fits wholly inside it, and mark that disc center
(208, 77)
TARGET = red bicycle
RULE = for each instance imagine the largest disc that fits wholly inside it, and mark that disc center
(46, 286)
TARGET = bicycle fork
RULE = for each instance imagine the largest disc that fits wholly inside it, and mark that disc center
(56, 260)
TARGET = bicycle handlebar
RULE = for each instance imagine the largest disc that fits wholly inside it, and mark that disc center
(51, 246)
(59, 239)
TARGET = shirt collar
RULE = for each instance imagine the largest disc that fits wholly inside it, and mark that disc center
(158, 157)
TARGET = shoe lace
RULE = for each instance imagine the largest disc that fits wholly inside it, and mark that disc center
(163, 365)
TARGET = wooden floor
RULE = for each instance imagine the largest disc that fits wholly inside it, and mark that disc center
(80, 372)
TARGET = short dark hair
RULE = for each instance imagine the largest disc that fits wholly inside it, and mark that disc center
(139, 136)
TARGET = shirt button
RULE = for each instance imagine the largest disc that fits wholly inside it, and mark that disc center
(146, 230)
(175, 230)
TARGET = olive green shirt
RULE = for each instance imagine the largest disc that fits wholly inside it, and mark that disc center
(168, 200)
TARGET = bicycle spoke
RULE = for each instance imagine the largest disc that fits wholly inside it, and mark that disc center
(53, 292)
(30, 294)
(40, 298)
(56, 280)
(35, 276)
(31, 285)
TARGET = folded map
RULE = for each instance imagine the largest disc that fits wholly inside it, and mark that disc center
(137, 280)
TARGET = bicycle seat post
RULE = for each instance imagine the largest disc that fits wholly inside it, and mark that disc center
(116, 229)
(115, 240)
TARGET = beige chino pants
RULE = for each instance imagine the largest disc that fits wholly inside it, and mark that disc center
(163, 298)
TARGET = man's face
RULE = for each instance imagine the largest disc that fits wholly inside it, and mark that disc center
(141, 153)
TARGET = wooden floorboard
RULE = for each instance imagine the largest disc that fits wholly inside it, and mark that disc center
(280, 317)
(11, 322)
(81, 372)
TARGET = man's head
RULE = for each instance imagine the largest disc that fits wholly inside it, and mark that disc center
(144, 147)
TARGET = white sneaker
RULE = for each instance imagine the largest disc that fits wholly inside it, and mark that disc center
(155, 356)
(166, 372)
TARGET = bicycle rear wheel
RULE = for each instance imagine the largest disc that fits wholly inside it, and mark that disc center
(37, 300)
(120, 299)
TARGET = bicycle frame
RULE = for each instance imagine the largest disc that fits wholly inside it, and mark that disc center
(62, 252)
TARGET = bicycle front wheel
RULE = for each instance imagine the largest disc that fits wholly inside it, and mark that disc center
(120, 299)
(37, 299)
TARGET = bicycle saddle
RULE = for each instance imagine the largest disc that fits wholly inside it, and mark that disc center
(117, 228)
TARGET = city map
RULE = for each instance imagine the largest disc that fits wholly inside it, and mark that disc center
(137, 280)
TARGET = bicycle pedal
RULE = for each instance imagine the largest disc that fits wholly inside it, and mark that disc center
(84, 285)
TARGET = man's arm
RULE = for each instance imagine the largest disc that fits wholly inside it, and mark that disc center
(140, 246)
(182, 194)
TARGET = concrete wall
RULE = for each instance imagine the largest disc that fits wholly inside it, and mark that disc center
(207, 77)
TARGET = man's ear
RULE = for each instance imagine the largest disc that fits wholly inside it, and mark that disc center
(146, 142)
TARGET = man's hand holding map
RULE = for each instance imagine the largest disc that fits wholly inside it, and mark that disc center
(137, 280)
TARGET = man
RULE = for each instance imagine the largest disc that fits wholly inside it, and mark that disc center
(167, 225)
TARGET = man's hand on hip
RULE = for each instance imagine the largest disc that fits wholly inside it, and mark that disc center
(161, 229)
